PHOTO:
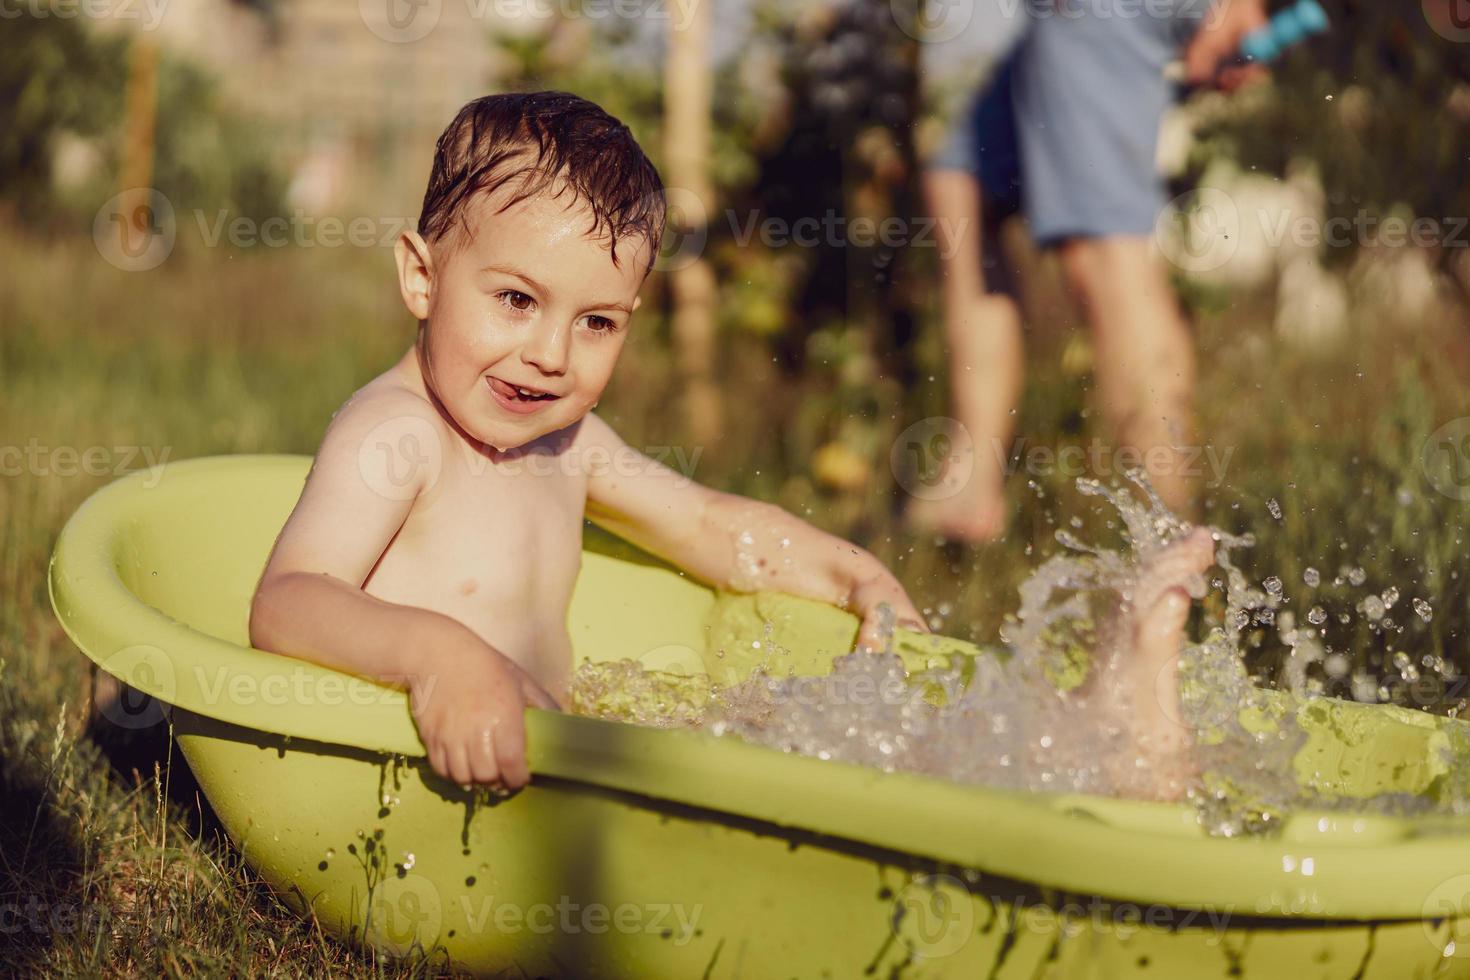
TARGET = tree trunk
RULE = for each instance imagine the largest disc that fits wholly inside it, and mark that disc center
(687, 98)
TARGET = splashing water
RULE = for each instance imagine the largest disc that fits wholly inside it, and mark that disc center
(1066, 706)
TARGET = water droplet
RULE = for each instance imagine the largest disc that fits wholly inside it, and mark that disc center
(1274, 508)
(1424, 609)
(1312, 577)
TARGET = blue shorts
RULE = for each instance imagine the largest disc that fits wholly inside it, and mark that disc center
(1067, 129)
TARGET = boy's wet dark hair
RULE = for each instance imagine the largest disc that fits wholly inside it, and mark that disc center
(548, 141)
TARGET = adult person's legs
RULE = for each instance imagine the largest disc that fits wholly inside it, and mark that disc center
(1088, 98)
(1145, 362)
(970, 187)
(986, 361)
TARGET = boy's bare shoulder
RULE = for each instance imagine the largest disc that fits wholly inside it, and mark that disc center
(389, 434)
(386, 396)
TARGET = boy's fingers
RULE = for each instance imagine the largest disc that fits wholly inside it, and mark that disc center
(913, 624)
(459, 764)
(436, 759)
(483, 766)
(909, 617)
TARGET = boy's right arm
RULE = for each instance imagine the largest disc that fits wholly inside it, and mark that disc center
(309, 602)
(378, 455)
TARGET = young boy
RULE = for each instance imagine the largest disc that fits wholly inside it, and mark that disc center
(439, 534)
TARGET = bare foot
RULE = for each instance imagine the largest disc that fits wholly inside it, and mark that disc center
(974, 515)
(1147, 668)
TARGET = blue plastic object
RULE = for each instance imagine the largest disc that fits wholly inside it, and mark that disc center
(1290, 26)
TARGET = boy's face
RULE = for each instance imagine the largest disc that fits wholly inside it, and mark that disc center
(526, 317)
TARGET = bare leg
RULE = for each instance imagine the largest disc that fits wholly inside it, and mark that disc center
(1145, 356)
(983, 336)
(1140, 682)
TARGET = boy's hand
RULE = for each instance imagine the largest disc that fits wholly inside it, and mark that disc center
(873, 588)
(469, 704)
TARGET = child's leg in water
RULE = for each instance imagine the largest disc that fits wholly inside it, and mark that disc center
(1141, 676)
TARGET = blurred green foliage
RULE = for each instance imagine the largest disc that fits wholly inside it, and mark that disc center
(59, 80)
(1380, 104)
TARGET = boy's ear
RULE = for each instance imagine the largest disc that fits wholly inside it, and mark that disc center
(415, 272)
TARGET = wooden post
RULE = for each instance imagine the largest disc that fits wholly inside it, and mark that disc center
(693, 293)
(140, 110)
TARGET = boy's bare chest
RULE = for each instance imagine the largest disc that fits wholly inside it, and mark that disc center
(497, 547)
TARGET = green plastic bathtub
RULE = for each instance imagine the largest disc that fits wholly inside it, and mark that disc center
(668, 853)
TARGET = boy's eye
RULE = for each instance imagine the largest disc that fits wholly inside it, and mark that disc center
(516, 299)
(601, 324)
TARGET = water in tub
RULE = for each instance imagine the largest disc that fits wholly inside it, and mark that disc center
(1055, 711)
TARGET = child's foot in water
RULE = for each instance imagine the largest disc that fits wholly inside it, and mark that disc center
(1160, 762)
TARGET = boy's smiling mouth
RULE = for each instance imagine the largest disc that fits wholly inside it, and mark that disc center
(521, 399)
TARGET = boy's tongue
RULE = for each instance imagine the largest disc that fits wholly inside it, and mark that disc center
(509, 390)
(511, 395)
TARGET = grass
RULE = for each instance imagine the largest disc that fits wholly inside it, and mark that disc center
(220, 352)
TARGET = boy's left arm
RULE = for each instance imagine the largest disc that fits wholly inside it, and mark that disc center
(732, 542)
